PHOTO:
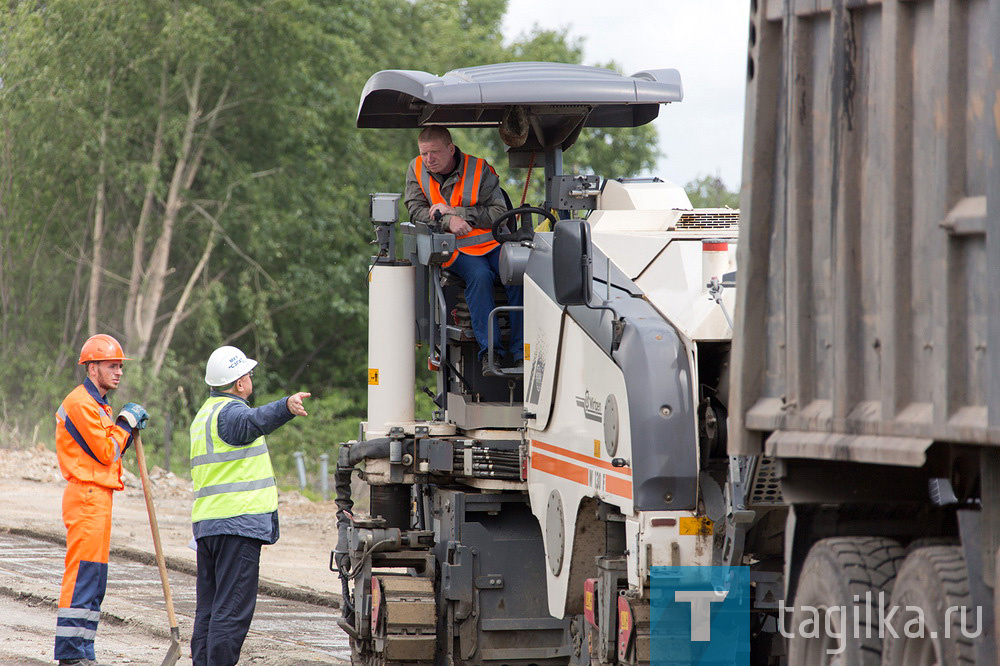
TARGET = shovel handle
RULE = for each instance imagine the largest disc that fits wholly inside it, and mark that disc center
(155, 528)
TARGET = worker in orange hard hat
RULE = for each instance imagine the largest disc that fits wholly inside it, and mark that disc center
(90, 444)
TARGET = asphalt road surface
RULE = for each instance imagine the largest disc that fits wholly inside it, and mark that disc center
(134, 627)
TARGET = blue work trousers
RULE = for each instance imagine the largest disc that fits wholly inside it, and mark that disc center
(480, 272)
(228, 573)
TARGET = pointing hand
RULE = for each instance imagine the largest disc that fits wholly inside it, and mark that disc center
(294, 404)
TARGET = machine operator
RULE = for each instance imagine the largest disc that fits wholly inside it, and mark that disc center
(458, 193)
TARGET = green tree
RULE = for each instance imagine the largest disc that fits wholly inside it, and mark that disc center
(606, 152)
(711, 192)
(185, 175)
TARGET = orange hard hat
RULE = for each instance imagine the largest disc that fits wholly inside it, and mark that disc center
(101, 347)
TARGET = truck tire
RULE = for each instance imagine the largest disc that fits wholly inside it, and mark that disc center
(932, 579)
(832, 595)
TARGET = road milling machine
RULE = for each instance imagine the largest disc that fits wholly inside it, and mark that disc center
(519, 524)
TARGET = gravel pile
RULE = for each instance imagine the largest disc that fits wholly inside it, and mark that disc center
(41, 465)
(37, 464)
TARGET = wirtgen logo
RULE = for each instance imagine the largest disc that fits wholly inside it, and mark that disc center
(872, 616)
(593, 408)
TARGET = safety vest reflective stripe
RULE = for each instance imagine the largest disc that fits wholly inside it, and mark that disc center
(464, 193)
(228, 480)
(245, 452)
(429, 186)
(471, 190)
(238, 453)
(235, 487)
(210, 424)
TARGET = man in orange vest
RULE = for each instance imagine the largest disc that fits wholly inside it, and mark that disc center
(90, 444)
(460, 194)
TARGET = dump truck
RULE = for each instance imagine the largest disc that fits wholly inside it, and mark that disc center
(519, 523)
(868, 293)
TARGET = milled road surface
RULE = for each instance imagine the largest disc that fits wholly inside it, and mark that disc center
(297, 608)
(134, 626)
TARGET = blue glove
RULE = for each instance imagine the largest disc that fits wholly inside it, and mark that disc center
(135, 415)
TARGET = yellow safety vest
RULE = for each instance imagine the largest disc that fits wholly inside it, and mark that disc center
(228, 480)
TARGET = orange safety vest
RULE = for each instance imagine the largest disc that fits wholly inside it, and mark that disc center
(464, 193)
(88, 442)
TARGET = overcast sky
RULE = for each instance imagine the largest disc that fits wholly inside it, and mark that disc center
(705, 39)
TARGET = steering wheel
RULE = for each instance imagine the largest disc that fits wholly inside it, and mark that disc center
(526, 231)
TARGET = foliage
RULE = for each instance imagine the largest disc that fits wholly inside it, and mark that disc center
(333, 419)
(711, 192)
(185, 175)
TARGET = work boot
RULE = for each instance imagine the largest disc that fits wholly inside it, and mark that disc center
(498, 361)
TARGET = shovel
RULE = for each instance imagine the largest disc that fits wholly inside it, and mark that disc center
(174, 653)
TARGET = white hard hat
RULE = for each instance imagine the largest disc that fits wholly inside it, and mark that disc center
(226, 365)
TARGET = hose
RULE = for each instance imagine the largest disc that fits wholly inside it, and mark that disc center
(349, 456)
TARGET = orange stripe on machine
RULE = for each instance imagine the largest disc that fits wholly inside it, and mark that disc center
(584, 476)
(620, 487)
(581, 457)
(561, 468)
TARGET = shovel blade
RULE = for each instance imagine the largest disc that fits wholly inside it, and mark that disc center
(174, 653)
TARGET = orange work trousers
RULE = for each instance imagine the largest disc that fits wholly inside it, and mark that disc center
(87, 516)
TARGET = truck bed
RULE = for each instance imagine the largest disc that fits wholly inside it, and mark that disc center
(869, 255)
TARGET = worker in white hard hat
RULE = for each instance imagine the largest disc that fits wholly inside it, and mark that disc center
(235, 509)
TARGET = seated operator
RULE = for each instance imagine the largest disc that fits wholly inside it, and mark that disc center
(466, 192)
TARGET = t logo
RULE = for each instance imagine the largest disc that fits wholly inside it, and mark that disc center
(718, 603)
(701, 611)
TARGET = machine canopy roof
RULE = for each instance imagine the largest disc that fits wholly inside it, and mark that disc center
(556, 99)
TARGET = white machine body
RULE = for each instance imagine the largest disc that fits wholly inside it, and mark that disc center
(391, 371)
(649, 232)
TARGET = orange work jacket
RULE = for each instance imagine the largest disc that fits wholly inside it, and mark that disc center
(465, 193)
(88, 442)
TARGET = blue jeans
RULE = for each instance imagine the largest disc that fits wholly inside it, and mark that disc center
(479, 273)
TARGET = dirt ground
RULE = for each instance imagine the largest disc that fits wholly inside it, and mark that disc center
(31, 487)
